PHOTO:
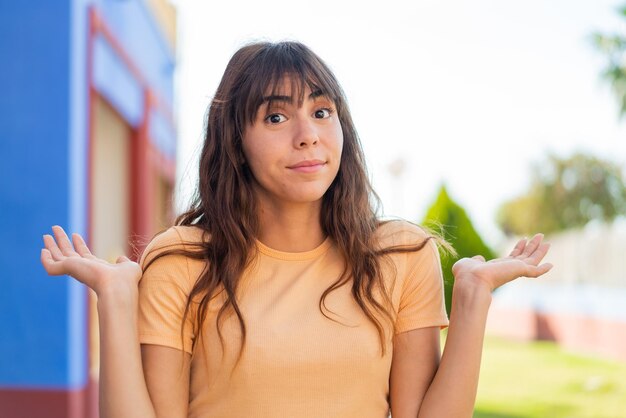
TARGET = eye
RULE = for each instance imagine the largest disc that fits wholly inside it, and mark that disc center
(323, 113)
(275, 118)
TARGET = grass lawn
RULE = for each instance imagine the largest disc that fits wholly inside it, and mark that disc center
(538, 379)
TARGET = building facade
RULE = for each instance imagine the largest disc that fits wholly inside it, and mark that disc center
(88, 142)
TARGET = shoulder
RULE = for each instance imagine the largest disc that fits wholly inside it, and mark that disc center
(408, 246)
(417, 274)
(172, 240)
(400, 233)
(166, 259)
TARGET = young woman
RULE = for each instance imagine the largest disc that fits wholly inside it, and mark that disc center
(279, 293)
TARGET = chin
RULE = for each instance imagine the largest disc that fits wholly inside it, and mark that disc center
(306, 196)
(309, 198)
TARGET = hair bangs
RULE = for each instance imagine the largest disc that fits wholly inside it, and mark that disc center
(273, 66)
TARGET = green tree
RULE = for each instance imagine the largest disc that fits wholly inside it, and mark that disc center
(613, 46)
(458, 230)
(566, 193)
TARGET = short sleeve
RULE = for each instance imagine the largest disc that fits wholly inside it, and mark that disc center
(163, 292)
(422, 302)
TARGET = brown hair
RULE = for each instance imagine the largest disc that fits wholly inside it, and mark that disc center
(224, 204)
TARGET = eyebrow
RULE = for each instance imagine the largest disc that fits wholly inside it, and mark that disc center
(277, 98)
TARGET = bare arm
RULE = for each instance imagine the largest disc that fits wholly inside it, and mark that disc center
(416, 356)
(452, 391)
(167, 375)
(123, 389)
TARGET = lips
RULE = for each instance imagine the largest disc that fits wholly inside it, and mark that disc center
(308, 166)
(307, 163)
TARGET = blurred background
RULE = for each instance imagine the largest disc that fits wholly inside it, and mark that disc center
(493, 119)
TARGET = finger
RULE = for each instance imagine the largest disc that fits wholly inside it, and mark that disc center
(122, 259)
(52, 247)
(541, 251)
(81, 247)
(532, 245)
(81, 269)
(479, 257)
(519, 247)
(63, 241)
(536, 271)
(53, 267)
(49, 264)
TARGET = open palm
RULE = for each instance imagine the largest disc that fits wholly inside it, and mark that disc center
(61, 257)
(522, 261)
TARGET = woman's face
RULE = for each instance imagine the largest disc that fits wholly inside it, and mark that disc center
(294, 152)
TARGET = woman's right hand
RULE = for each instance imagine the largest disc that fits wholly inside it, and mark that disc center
(60, 257)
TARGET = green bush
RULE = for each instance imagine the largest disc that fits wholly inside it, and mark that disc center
(452, 220)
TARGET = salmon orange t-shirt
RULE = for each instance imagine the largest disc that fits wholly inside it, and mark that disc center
(296, 362)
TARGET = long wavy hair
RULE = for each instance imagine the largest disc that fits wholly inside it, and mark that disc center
(225, 208)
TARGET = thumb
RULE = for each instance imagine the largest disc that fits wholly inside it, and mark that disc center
(122, 259)
(479, 257)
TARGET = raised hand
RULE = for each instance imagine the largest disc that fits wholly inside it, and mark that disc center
(522, 261)
(60, 257)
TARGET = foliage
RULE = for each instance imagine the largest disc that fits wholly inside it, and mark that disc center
(613, 46)
(566, 193)
(458, 230)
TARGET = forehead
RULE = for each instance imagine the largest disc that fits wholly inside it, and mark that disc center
(292, 89)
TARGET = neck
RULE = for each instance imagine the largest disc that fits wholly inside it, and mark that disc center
(290, 227)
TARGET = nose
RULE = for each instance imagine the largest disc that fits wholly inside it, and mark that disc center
(306, 133)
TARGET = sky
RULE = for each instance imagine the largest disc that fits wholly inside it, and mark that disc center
(469, 94)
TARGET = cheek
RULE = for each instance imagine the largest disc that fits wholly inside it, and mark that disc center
(252, 152)
(339, 139)
(255, 162)
(261, 159)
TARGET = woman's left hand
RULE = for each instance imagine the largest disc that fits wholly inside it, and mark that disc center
(523, 261)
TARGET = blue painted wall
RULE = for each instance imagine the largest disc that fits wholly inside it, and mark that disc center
(34, 131)
(43, 172)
